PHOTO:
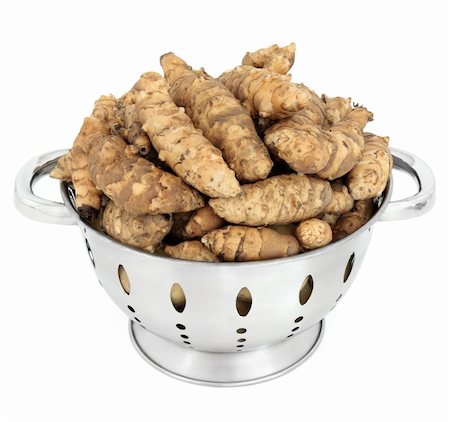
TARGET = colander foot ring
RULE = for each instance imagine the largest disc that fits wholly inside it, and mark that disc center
(225, 369)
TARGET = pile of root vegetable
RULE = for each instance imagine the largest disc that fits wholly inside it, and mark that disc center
(247, 166)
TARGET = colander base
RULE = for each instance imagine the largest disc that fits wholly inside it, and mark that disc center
(225, 369)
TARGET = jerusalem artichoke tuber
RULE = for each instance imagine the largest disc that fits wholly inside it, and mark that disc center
(127, 123)
(63, 168)
(341, 201)
(203, 221)
(265, 93)
(242, 243)
(187, 152)
(313, 233)
(88, 197)
(276, 200)
(137, 185)
(368, 178)
(354, 219)
(220, 116)
(274, 58)
(192, 250)
(143, 232)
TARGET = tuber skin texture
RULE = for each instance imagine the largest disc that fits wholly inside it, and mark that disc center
(143, 232)
(329, 218)
(313, 233)
(192, 250)
(63, 168)
(127, 124)
(137, 185)
(277, 200)
(220, 116)
(265, 93)
(185, 150)
(309, 149)
(203, 221)
(335, 109)
(368, 178)
(341, 201)
(354, 219)
(242, 243)
(87, 196)
(274, 58)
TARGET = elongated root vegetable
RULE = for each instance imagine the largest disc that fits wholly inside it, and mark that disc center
(313, 233)
(63, 168)
(127, 123)
(144, 232)
(308, 149)
(220, 116)
(354, 219)
(274, 58)
(203, 221)
(265, 93)
(88, 197)
(137, 185)
(192, 250)
(368, 178)
(242, 243)
(185, 150)
(341, 201)
(276, 200)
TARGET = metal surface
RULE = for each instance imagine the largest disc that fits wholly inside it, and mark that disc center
(226, 369)
(280, 321)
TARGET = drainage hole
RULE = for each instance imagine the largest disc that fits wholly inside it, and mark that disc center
(181, 327)
(186, 342)
(137, 319)
(184, 336)
(295, 329)
(290, 335)
(240, 345)
(298, 319)
(339, 298)
(131, 308)
(241, 340)
(241, 330)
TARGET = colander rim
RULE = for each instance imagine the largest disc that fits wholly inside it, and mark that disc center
(386, 195)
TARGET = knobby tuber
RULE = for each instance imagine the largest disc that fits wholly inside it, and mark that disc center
(137, 185)
(143, 232)
(203, 221)
(265, 93)
(274, 58)
(220, 116)
(354, 219)
(368, 178)
(242, 243)
(192, 250)
(63, 168)
(313, 233)
(276, 200)
(185, 150)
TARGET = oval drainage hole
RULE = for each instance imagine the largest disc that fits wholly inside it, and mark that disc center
(131, 308)
(124, 279)
(241, 330)
(243, 302)
(290, 335)
(339, 298)
(178, 298)
(240, 345)
(349, 267)
(295, 329)
(180, 326)
(91, 255)
(184, 336)
(137, 319)
(298, 319)
(241, 340)
(306, 289)
(186, 342)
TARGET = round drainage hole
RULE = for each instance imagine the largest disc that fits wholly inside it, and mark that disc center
(241, 330)
(131, 308)
(298, 319)
(180, 326)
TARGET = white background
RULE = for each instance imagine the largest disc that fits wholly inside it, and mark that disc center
(65, 353)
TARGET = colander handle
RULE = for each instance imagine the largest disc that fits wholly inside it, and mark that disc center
(423, 200)
(33, 206)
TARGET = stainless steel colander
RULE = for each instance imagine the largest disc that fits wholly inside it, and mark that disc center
(232, 323)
